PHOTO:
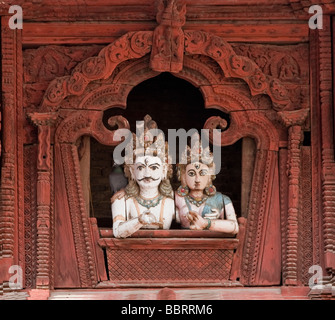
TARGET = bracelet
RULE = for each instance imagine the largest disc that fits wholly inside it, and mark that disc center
(209, 224)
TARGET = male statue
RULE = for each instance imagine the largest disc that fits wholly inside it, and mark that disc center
(147, 201)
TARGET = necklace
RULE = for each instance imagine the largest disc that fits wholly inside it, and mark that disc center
(149, 203)
(198, 203)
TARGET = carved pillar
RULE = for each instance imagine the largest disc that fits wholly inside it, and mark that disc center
(43, 121)
(294, 120)
(11, 190)
(327, 155)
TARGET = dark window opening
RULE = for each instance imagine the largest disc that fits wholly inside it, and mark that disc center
(174, 104)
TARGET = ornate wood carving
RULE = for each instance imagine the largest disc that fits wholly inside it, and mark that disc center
(135, 258)
(234, 79)
(258, 215)
(79, 217)
(30, 214)
(283, 183)
(67, 133)
(44, 64)
(44, 201)
(327, 138)
(254, 124)
(133, 45)
(294, 120)
(288, 64)
(305, 234)
(198, 42)
(168, 40)
(11, 190)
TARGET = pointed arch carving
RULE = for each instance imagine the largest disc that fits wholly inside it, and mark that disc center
(135, 45)
(132, 45)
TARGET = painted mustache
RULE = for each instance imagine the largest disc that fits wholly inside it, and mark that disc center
(148, 179)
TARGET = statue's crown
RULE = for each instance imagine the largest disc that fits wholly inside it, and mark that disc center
(196, 152)
(149, 140)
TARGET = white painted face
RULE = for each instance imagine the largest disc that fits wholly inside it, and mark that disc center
(148, 171)
(197, 176)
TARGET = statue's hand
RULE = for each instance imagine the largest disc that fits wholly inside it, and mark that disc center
(196, 222)
(147, 218)
(214, 214)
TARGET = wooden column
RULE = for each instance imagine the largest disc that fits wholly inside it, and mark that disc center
(248, 163)
(327, 138)
(294, 120)
(11, 190)
(43, 121)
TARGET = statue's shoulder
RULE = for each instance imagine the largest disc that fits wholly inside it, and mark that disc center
(179, 199)
(118, 196)
(221, 197)
(169, 200)
(226, 199)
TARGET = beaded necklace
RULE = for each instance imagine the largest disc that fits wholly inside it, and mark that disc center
(198, 203)
(149, 203)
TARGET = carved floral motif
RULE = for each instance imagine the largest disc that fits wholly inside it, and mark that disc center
(130, 46)
(198, 42)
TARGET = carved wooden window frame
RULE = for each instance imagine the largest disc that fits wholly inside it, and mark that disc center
(71, 103)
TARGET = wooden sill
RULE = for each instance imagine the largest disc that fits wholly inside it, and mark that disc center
(178, 233)
(169, 243)
(169, 239)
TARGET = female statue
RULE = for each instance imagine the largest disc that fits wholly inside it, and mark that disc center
(198, 205)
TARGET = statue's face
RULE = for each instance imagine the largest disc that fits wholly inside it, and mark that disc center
(148, 171)
(197, 176)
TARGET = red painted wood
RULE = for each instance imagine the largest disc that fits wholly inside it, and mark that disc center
(236, 267)
(66, 268)
(104, 33)
(99, 254)
(108, 233)
(277, 82)
(168, 243)
(270, 266)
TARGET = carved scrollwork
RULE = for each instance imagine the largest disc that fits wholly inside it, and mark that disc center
(119, 122)
(216, 123)
(133, 45)
(93, 68)
(130, 46)
(241, 66)
(76, 84)
(199, 42)
(89, 123)
(56, 92)
(278, 91)
(141, 43)
(233, 65)
(217, 49)
(258, 81)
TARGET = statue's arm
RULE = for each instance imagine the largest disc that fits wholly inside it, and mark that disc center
(228, 225)
(122, 228)
(231, 217)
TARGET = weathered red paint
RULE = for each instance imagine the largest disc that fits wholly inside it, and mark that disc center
(52, 95)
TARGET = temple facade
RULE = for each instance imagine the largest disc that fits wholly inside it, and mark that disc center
(73, 73)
